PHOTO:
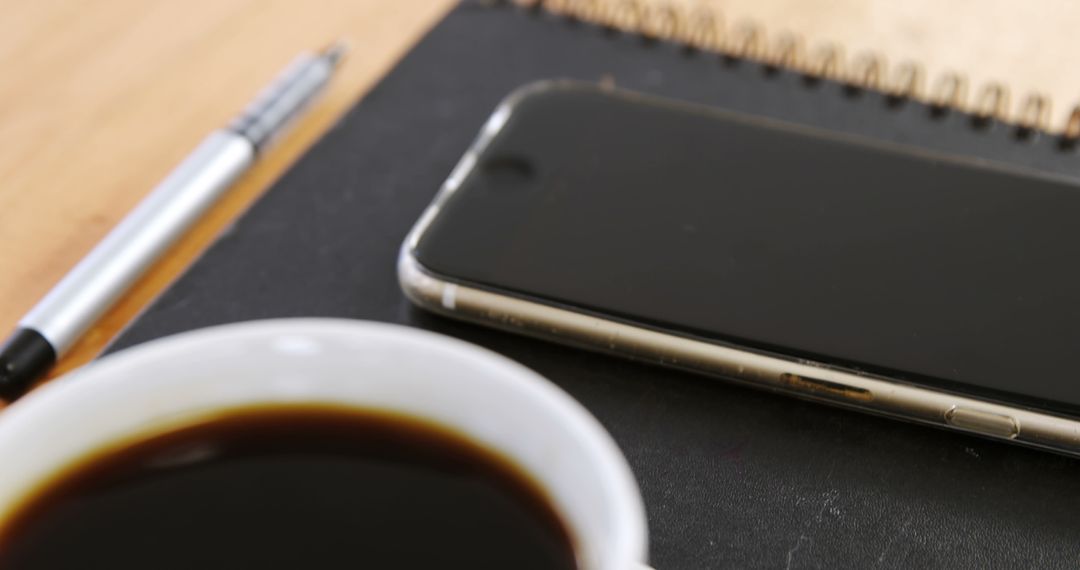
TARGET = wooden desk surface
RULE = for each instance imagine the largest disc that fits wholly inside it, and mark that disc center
(98, 103)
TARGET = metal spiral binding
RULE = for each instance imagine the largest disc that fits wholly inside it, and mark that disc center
(703, 28)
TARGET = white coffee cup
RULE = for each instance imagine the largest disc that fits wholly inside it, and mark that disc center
(490, 399)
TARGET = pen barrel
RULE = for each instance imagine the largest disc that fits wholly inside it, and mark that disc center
(136, 243)
(283, 99)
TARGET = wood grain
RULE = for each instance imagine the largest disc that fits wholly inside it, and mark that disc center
(98, 101)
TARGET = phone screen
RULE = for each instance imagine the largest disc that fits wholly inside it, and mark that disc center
(933, 270)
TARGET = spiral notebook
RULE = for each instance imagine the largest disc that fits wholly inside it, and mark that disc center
(732, 477)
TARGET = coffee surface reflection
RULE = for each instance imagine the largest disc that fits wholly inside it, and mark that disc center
(290, 487)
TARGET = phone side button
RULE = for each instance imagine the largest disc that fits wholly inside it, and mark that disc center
(987, 423)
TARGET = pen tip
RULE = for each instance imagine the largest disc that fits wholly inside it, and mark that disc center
(26, 357)
(335, 51)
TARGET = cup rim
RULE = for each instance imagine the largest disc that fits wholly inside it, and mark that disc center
(56, 400)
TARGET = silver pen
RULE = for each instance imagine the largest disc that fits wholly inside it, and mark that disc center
(97, 282)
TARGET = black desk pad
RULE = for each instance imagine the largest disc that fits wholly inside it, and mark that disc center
(732, 477)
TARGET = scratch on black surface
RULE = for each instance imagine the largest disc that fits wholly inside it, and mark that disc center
(892, 540)
(180, 303)
(794, 549)
(828, 499)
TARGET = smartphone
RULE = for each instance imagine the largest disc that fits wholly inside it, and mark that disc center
(938, 289)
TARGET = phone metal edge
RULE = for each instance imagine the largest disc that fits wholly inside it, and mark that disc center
(804, 379)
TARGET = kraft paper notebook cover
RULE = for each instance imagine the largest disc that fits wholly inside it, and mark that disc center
(732, 477)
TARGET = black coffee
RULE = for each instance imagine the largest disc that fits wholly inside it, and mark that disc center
(291, 488)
